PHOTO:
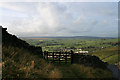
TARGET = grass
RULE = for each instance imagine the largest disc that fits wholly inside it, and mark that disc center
(80, 71)
(55, 74)
(21, 63)
(109, 55)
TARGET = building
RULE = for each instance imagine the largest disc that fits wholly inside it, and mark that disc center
(78, 52)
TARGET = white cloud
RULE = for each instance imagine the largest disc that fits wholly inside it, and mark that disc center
(46, 22)
(12, 6)
(48, 14)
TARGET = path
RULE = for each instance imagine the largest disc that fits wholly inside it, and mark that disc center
(115, 71)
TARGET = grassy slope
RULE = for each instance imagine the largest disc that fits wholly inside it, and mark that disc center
(80, 71)
(17, 63)
(109, 55)
(20, 63)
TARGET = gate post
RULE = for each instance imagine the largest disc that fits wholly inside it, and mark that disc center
(47, 55)
(71, 56)
(66, 57)
(44, 54)
(59, 56)
(53, 57)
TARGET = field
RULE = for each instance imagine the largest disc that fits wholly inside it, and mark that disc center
(105, 49)
(109, 55)
(57, 44)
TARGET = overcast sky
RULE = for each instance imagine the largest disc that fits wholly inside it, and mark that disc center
(26, 19)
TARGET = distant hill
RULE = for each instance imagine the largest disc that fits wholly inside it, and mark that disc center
(80, 37)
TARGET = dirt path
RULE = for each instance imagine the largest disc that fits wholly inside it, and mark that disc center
(115, 71)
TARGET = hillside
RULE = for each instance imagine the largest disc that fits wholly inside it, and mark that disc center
(109, 55)
(21, 60)
(12, 40)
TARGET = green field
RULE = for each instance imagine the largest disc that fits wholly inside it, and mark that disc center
(57, 44)
(105, 49)
(109, 55)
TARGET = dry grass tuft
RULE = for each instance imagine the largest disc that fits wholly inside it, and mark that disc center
(55, 74)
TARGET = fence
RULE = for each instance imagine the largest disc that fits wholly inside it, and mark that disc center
(59, 57)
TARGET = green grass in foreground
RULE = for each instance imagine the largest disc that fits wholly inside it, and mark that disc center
(20, 63)
(80, 71)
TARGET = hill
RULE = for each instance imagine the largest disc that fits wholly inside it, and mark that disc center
(21, 60)
(67, 37)
(12, 40)
(109, 55)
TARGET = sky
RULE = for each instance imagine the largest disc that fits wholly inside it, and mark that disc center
(28, 19)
